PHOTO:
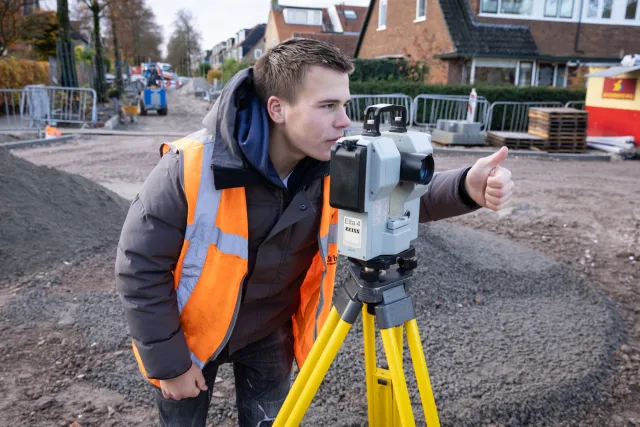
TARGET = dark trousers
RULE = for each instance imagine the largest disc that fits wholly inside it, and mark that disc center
(262, 373)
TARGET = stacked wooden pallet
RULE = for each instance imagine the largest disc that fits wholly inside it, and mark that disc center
(564, 129)
(558, 130)
(516, 140)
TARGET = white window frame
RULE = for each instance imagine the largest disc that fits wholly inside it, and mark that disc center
(314, 16)
(516, 64)
(559, 9)
(421, 18)
(637, 17)
(257, 53)
(511, 15)
(618, 13)
(382, 2)
(355, 15)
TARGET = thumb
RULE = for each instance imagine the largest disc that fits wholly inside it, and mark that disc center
(496, 158)
(202, 385)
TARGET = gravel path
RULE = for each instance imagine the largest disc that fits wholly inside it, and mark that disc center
(512, 336)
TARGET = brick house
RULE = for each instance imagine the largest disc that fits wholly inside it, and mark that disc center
(339, 24)
(520, 42)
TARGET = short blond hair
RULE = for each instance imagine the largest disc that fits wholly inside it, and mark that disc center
(281, 70)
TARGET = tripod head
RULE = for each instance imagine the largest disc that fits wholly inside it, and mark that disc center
(377, 179)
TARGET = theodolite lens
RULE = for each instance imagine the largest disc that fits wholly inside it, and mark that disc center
(416, 168)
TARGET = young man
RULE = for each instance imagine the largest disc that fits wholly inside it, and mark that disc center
(225, 255)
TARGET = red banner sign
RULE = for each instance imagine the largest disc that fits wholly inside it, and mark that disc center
(619, 88)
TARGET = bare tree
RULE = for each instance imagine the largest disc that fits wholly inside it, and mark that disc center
(100, 84)
(10, 21)
(66, 55)
(184, 44)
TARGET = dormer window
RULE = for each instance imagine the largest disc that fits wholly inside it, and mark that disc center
(303, 16)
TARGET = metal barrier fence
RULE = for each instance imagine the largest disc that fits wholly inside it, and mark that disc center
(575, 104)
(359, 103)
(51, 104)
(12, 106)
(512, 116)
(33, 107)
(428, 109)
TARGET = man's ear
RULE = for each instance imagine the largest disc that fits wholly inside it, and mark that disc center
(275, 108)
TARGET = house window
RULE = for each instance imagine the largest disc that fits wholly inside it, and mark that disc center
(350, 14)
(511, 7)
(495, 71)
(524, 73)
(632, 9)
(382, 15)
(257, 53)
(561, 76)
(421, 9)
(558, 9)
(545, 74)
(594, 9)
(489, 6)
(303, 16)
(606, 10)
(516, 7)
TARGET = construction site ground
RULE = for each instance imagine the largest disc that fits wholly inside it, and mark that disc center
(530, 316)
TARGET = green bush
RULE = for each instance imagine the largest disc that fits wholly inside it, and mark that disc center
(491, 93)
(508, 117)
(18, 73)
(388, 69)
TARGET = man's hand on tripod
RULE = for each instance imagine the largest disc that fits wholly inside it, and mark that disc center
(488, 183)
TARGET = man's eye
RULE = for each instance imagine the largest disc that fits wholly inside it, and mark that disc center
(330, 106)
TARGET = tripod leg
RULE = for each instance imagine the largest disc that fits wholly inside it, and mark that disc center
(398, 331)
(307, 368)
(422, 374)
(397, 378)
(369, 361)
(318, 374)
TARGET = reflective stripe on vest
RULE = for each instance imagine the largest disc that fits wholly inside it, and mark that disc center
(213, 262)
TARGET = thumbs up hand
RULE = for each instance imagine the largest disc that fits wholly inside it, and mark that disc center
(488, 183)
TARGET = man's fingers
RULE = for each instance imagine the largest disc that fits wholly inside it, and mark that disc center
(501, 191)
(200, 382)
(500, 178)
(497, 201)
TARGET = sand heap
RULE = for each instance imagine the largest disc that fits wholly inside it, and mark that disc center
(49, 216)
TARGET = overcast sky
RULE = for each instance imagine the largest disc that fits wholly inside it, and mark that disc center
(215, 25)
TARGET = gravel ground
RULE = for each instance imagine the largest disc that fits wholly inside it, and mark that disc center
(524, 319)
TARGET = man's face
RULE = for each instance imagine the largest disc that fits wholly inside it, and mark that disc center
(317, 118)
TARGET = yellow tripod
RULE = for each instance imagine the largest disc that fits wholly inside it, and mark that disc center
(379, 292)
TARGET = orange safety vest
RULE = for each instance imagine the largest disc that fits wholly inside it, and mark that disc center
(213, 262)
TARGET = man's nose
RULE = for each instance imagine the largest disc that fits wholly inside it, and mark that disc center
(343, 120)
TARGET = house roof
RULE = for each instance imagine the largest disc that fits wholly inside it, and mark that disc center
(285, 31)
(472, 38)
(345, 42)
(351, 25)
(253, 38)
(615, 71)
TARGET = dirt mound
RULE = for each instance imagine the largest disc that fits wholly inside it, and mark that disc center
(49, 216)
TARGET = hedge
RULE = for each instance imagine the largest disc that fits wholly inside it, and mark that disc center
(389, 70)
(18, 73)
(491, 93)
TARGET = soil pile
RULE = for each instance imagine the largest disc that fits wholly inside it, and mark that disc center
(49, 216)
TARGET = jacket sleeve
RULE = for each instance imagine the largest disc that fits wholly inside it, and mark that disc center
(150, 243)
(447, 197)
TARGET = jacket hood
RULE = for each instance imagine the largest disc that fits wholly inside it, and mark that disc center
(239, 124)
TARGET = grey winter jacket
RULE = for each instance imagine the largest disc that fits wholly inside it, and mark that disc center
(283, 222)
